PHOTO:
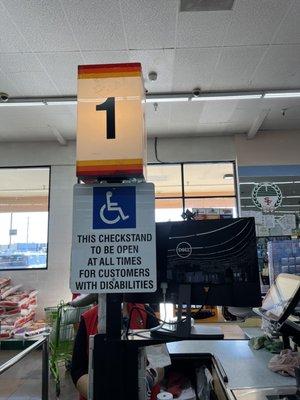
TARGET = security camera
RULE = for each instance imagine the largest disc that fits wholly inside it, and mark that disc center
(3, 97)
(196, 92)
(283, 112)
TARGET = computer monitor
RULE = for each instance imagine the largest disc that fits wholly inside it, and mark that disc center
(217, 258)
(212, 262)
(281, 299)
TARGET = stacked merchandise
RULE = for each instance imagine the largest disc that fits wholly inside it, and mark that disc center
(212, 213)
(17, 308)
(284, 256)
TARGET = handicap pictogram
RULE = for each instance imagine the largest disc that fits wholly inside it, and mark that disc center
(111, 207)
(114, 207)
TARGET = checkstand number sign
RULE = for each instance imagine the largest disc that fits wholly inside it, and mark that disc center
(114, 207)
(109, 107)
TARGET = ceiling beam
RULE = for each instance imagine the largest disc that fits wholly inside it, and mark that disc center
(257, 123)
(61, 140)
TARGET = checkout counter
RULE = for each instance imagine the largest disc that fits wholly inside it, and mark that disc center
(242, 372)
(239, 372)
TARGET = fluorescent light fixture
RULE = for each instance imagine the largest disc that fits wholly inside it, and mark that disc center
(169, 99)
(22, 104)
(280, 95)
(227, 97)
(157, 98)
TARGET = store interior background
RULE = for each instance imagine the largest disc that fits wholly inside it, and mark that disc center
(268, 148)
(255, 46)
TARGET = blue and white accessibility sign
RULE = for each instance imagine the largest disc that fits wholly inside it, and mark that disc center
(114, 244)
(114, 207)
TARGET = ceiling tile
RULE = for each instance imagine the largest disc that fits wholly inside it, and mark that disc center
(279, 68)
(202, 29)
(236, 67)
(284, 114)
(217, 111)
(160, 61)
(33, 122)
(194, 68)
(185, 116)
(42, 23)
(10, 39)
(19, 62)
(97, 25)
(246, 112)
(157, 120)
(105, 57)
(25, 134)
(255, 21)
(231, 128)
(280, 124)
(209, 129)
(62, 68)
(8, 86)
(289, 31)
(150, 24)
(33, 83)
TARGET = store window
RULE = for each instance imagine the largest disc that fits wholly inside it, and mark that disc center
(24, 203)
(204, 188)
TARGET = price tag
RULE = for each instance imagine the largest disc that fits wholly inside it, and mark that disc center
(110, 122)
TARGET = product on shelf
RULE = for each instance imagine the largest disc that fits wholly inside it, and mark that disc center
(13, 322)
(4, 282)
(17, 309)
(284, 257)
(8, 290)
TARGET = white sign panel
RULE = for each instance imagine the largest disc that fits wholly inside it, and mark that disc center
(114, 247)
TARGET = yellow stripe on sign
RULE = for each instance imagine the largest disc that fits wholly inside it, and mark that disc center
(120, 74)
(109, 162)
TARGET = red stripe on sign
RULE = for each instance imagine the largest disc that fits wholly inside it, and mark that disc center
(107, 173)
(108, 167)
(109, 67)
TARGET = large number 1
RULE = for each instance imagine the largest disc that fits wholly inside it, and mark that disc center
(109, 107)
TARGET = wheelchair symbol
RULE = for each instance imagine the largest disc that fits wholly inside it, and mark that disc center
(110, 206)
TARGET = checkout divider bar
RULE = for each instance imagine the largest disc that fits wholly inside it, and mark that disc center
(43, 342)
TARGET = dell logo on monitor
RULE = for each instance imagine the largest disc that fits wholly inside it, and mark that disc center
(184, 249)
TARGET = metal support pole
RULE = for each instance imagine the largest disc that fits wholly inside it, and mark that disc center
(102, 313)
(45, 370)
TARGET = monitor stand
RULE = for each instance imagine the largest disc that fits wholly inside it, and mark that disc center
(183, 329)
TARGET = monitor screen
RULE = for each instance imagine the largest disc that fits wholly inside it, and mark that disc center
(218, 258)
(282, 296)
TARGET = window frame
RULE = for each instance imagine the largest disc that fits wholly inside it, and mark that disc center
(48, 210)
(183, 197)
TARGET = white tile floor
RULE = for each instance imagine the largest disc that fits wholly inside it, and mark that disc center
(24, 380)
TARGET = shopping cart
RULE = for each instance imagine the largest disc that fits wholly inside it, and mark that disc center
(64, 321)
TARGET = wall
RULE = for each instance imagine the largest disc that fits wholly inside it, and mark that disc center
(52, 283)
(268, 148)
(193, 149)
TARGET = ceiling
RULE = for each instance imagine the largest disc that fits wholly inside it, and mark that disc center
(256, 45)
